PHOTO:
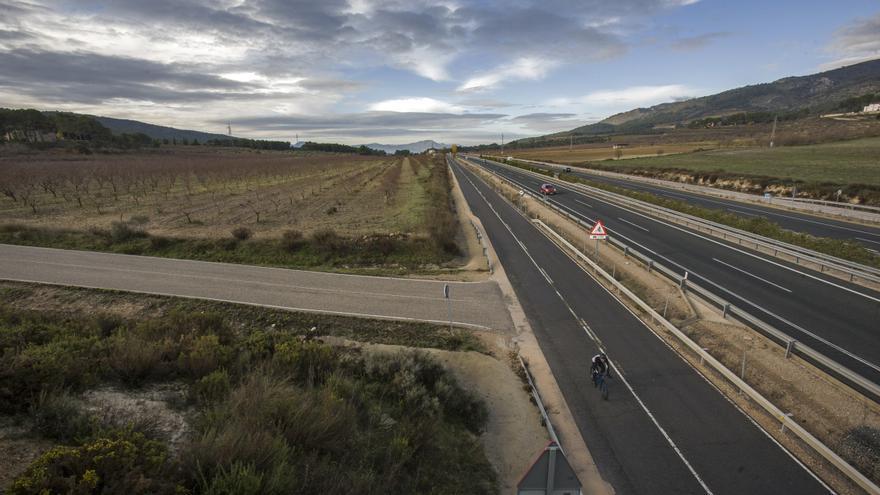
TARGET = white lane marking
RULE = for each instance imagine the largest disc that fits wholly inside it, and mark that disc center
(867, 240)
(728, 291)
(743, 212)
(617, 370)
(700, 374)
(581, 202)
(633, 224)
(751, 275)
(714, 241)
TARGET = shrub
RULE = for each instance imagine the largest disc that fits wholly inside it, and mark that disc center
(205, 355)
(331, 211)
(159, 242)
(58, 415)
(328, 241)
(122, 462)
(122, 231)
(292, 240)
(211, 388)
(242, 233)
(134, 359)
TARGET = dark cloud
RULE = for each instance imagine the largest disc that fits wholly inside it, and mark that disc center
(93, 78)
(856, 42)
(697, 42)
(368, 120)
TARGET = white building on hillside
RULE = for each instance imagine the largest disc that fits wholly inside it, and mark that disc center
(873, 107)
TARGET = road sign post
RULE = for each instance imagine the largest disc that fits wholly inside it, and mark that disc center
(598, 233)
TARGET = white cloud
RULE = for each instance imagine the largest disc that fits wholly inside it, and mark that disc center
(526, 68)
(631, 96)
(424, 105)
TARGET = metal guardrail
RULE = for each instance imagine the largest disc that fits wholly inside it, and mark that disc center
(550, 430)
(800, 255)
(792, 345)
(756, 396)
(836, 204)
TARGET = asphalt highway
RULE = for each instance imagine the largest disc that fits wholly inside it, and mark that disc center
(798, 222)
(664, 429)
(837, 318)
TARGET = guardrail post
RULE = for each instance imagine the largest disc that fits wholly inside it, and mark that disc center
(789, 348)
(726, 309)
(782, 429)
(683, 284)
(626, 252)
(650, 265)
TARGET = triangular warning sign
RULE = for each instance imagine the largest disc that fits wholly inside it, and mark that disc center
(598, 229)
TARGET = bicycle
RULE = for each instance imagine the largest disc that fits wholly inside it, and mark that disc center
(599, 380)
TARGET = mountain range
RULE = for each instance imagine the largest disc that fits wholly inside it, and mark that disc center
(813, 94)
(417, 147)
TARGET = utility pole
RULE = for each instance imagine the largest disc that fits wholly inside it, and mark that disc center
(571, 142)
(229, 128)
(773, 132)
(502, 145)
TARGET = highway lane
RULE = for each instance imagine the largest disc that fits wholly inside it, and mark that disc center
(835, 317)
(798, 222)
(674, 433)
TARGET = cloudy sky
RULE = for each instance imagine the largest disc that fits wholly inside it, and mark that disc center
(392, 71)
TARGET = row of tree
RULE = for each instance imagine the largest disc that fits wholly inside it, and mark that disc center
(340, 148)
(35, 127)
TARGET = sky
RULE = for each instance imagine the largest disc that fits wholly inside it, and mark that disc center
(397, 71)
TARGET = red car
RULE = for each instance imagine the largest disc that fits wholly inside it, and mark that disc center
(547, 189)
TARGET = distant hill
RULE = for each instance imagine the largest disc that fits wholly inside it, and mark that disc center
(123, 126)
(416, 147)
(790, 97)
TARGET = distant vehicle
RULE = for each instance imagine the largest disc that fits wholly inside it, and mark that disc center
(568, 170)
(547, 189)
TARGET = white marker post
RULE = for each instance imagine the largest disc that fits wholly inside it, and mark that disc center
(598, 233)
(448, 304)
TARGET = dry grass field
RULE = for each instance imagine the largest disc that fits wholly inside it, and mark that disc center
(208, 193)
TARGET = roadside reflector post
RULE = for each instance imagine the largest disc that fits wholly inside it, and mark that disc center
(790, 348)
(625, 251)
(650, 265)
(742, 373)
(666, 304)
(448, 304)
(726, 309)
(683, 284)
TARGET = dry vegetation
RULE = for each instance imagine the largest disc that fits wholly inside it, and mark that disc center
(157, 395)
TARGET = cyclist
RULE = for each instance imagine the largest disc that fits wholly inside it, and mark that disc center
(599, 365)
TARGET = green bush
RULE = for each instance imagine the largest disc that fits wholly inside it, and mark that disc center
(328, 241)
(123, 462)
(211, 388)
